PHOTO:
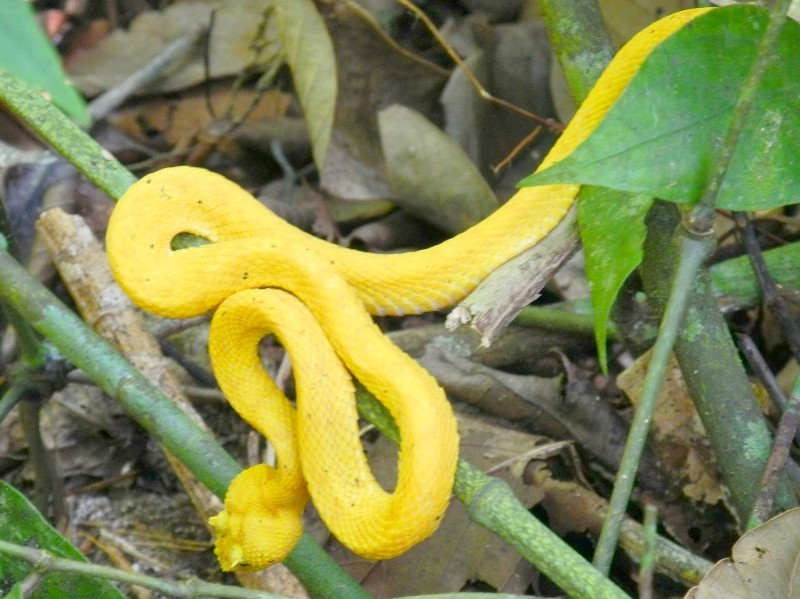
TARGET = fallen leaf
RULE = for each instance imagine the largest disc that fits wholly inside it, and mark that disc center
(180, 121)
(373, 73)
(679, 436)
(764, 564)
(230, 47)
(431, 176)
(308, 50)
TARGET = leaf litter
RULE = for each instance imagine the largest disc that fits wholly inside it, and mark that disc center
(385, 77)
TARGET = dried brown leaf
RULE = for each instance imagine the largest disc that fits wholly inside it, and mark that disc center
(308, 50)
(179, 122)
(430, 174)
(764, 564)
(373, 73)
(679, 437)
(124, 52)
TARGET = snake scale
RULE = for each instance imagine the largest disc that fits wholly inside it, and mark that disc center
(262, 276)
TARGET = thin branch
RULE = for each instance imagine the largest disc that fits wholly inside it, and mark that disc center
(647, 565)
(693, 253)
(696, 242)
(482, 91)
(517, 149)
(45, 562)
(772, 299)
(787, 427)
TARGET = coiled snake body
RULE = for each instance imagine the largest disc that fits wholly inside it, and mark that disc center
(263, 276)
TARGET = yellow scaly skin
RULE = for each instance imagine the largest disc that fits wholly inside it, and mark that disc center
(320, 318)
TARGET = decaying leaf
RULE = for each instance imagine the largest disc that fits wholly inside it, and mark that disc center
(679, 437)
(430, 174)
(464, 110)
(764, 564)
(230, 46)
(308, 51)
(373, 73)
(178, 122)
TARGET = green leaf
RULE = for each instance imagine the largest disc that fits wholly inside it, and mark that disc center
(431, 174)
(26, 52)
(308, 50)
(612, 231)
(735, 283)
(661, 135)
(22, 524)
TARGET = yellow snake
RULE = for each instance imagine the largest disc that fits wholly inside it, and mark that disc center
(264, 276)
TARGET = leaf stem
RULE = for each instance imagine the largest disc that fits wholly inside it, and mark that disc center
(695, 244)
(46, 562)
(702, 215)
(693, 252)
(774, 468)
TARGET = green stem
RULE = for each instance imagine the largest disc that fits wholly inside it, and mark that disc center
(574, 316)
(211, 464)
(46, 562)
(580, 40)
(32, 353)
(11, 397)
(695, 245)
(64, 136)
(491, 503)
(115, 376)
(736, 427)
(321, 576)
(692, 253)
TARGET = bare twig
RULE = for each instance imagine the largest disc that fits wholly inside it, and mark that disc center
(647, 565)
(787, 427)
(772, 299)
(482, 91)
(178, 50)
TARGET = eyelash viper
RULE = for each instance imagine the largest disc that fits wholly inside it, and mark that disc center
(263, 276)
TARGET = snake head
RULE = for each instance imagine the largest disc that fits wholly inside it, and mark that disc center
(255, 531)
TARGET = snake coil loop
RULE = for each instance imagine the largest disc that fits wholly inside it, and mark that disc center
(263, 276)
